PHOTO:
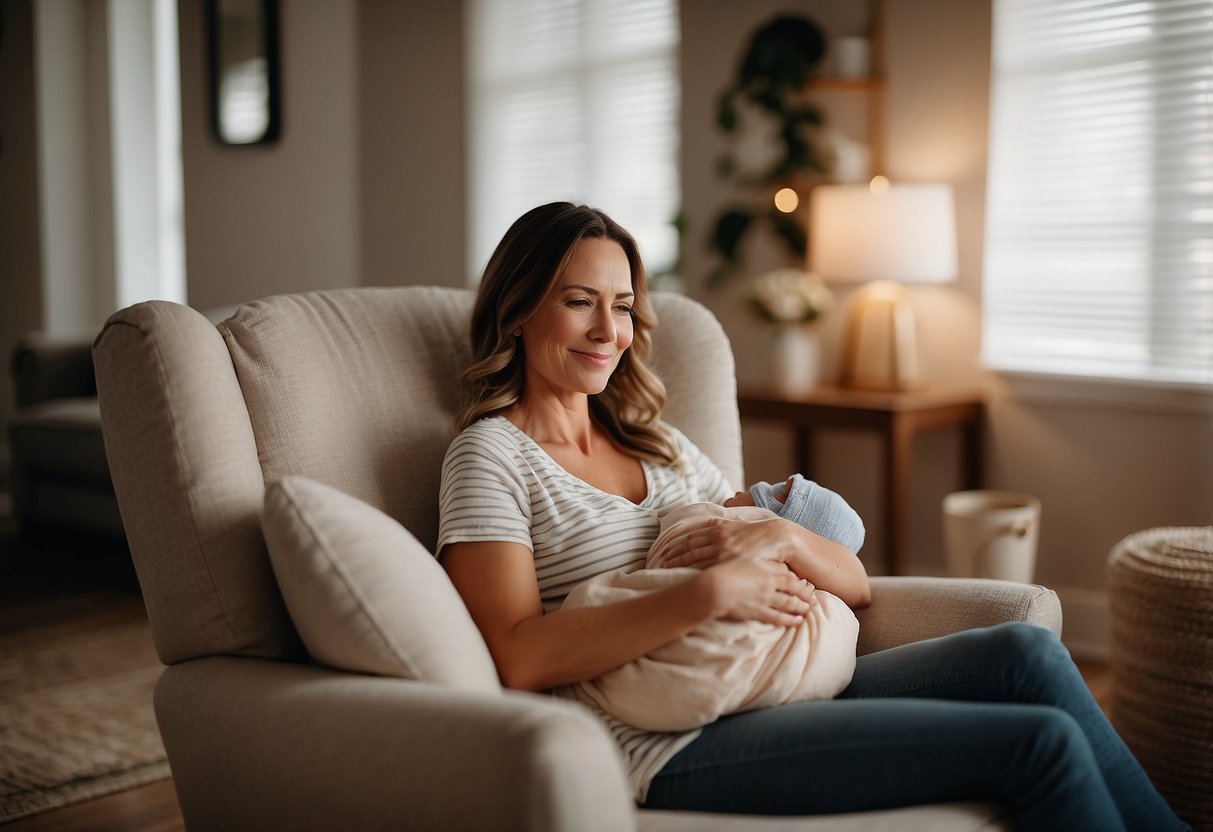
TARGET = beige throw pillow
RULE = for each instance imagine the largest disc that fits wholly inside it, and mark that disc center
(364, 594)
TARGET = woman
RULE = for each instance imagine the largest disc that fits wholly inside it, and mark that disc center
(560, 472)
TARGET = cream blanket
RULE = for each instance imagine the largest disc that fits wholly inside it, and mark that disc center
(720, 667)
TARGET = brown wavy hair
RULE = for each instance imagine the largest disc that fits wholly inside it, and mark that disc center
(518, 277)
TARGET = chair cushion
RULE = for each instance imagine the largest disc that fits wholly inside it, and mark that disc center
(356, 388)
(364, 594)
(61, 435)
(188, 481)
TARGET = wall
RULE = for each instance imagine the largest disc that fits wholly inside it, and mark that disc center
(281, 217)
(411, 164)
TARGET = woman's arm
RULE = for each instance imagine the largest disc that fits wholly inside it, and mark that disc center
(828, 565)
(534, 651)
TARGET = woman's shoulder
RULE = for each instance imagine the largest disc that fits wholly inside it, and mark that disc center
(492, 436)
(485, 427)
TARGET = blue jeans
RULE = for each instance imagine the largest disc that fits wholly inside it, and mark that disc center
(998, 715)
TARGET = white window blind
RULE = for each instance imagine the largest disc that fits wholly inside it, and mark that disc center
(574, 100)
(1099, 223)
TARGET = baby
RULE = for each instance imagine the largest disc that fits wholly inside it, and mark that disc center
(727, 666)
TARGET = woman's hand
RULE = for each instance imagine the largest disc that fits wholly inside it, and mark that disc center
(745, 589)
(724, 539)
(827, 565)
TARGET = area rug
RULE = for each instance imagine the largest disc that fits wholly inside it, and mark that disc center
(76, 717)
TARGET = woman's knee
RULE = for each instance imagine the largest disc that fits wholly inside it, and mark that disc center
(1016, 640)
(1060, 749)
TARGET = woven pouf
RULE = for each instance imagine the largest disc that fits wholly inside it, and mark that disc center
(1160, 590)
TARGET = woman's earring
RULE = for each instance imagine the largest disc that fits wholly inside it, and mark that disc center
(518, 332)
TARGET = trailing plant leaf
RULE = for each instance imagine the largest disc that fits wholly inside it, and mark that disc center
(768, 99)
(726, 112)
(805, 115)
(782, 53)
(717, 275)
(730, 227)
(791, 232)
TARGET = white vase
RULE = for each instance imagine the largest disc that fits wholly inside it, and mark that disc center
(795, 360)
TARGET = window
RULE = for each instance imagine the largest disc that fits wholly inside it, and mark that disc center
(574, 100)
(109, 159)
(1099, 224)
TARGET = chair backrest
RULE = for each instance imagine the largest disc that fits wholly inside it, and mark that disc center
(355, 388)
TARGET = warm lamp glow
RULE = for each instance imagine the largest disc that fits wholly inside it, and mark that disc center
(880, 234)
(898, 232)
(786, 200)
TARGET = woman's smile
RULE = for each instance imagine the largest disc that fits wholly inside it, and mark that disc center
(576, 338)
(595, 359)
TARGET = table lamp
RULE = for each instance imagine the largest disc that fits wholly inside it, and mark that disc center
(884, 235)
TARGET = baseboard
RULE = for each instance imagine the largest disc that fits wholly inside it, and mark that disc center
(1087, 624)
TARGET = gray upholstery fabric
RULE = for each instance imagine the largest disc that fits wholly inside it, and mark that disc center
(58, 473)
(356, 389)
(364, 594)
(184, 464)
(270, 745)
(691, 354)
(906, 610)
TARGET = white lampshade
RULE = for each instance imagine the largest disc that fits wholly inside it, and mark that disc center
(884, 235)
(905, 233)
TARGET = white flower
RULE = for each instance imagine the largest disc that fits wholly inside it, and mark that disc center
(789, 296)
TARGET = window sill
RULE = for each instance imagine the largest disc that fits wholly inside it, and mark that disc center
(1102, 392)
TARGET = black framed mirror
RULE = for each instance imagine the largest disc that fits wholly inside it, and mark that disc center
(245, 93)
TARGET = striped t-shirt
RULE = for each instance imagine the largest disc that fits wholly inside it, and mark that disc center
(498, 485)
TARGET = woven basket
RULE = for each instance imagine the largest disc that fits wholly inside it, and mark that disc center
(1160, 588)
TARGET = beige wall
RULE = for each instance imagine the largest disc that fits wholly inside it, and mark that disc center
(282, 217)
(411, 165)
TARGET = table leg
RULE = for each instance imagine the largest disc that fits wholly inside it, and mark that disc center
(972, 472)
(899, 436)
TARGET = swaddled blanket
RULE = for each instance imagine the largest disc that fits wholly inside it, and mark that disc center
(721, 666)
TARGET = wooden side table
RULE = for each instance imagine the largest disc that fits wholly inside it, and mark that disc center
(897, 417)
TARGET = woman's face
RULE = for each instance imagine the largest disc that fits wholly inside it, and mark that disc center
(575, 339)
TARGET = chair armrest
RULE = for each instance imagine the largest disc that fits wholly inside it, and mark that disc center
(45, 367)
(906, 610)
(258, 744)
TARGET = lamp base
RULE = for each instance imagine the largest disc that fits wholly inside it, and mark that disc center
(880, 348)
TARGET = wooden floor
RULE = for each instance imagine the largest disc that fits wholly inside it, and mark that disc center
(82, 579)
(151, 808)
(37, 585)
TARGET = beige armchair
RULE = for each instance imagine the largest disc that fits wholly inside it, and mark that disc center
(356, 388)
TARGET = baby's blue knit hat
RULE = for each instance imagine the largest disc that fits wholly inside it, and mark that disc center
(814, 507)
